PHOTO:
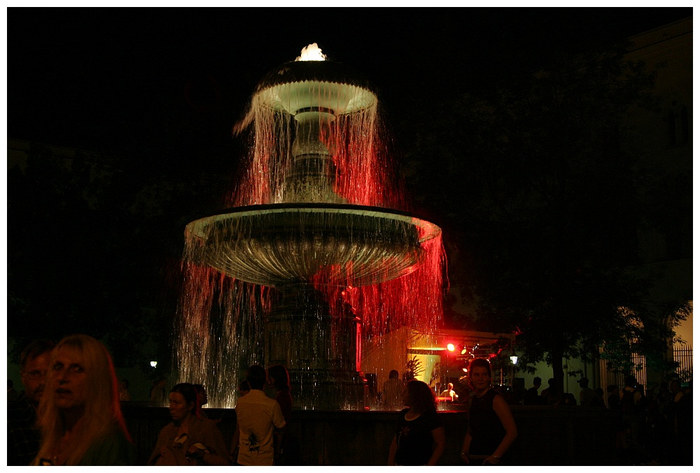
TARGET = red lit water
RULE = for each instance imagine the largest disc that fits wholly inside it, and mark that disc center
(221, 319)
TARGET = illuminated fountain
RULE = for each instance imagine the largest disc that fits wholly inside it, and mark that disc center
(310, 260)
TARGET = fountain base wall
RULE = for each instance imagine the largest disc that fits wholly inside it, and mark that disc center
(547, 435)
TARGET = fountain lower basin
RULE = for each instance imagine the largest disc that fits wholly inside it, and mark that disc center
(277, 244)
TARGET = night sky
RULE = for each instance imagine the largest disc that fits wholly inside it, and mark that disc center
(176, 79)
(160, 88)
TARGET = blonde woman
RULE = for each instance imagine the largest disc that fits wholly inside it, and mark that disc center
(79, 414)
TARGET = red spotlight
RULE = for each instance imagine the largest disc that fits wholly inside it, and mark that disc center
(450, 347)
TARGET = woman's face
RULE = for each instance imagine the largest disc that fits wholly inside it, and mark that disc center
(480, 378)
(69, 384)
(179, 407)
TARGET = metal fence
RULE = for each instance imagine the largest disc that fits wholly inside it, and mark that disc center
(683, 355)
(617, 378)
(640, 369)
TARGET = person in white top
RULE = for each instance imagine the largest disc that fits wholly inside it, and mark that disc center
(257, 417)
(449, 392)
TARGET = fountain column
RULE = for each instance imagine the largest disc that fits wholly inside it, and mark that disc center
(317, 348)
(313, 172)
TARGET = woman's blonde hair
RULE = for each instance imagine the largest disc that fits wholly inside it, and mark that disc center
(102, 408)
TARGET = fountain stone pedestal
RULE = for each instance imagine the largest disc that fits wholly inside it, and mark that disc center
(318, 350)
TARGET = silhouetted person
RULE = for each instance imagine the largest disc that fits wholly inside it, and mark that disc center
(532, 396)
(601, 396)
(550, 395)
(679, 415)
(279, 378)
(655, 435)
(613, 397)
(491, 429)
(632, 407)
(420, 436)
(567, 399)
(588, 397)
(287, 445)
(450, 392)
(243, 388)
(23, 434)
(202, 399)
(616, 407)
(124, 394)
(158, 393)
(675, 390)
(392, 391)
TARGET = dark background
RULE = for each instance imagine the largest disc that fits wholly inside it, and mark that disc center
(148, 97)
(164, 84)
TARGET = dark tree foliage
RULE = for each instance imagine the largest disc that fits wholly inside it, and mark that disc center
(544, 205)
(95, 248)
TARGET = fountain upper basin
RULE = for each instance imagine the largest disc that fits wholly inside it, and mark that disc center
(325, 85)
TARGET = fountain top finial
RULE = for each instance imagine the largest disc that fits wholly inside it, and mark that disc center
(312, 81)
(311, 53)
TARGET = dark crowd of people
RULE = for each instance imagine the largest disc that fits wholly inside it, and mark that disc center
(652, 428)
(69, 413)
(656, 427)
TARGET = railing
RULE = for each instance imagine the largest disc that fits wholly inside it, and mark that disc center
(683, 355)
(617, 378)
(639, 365)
